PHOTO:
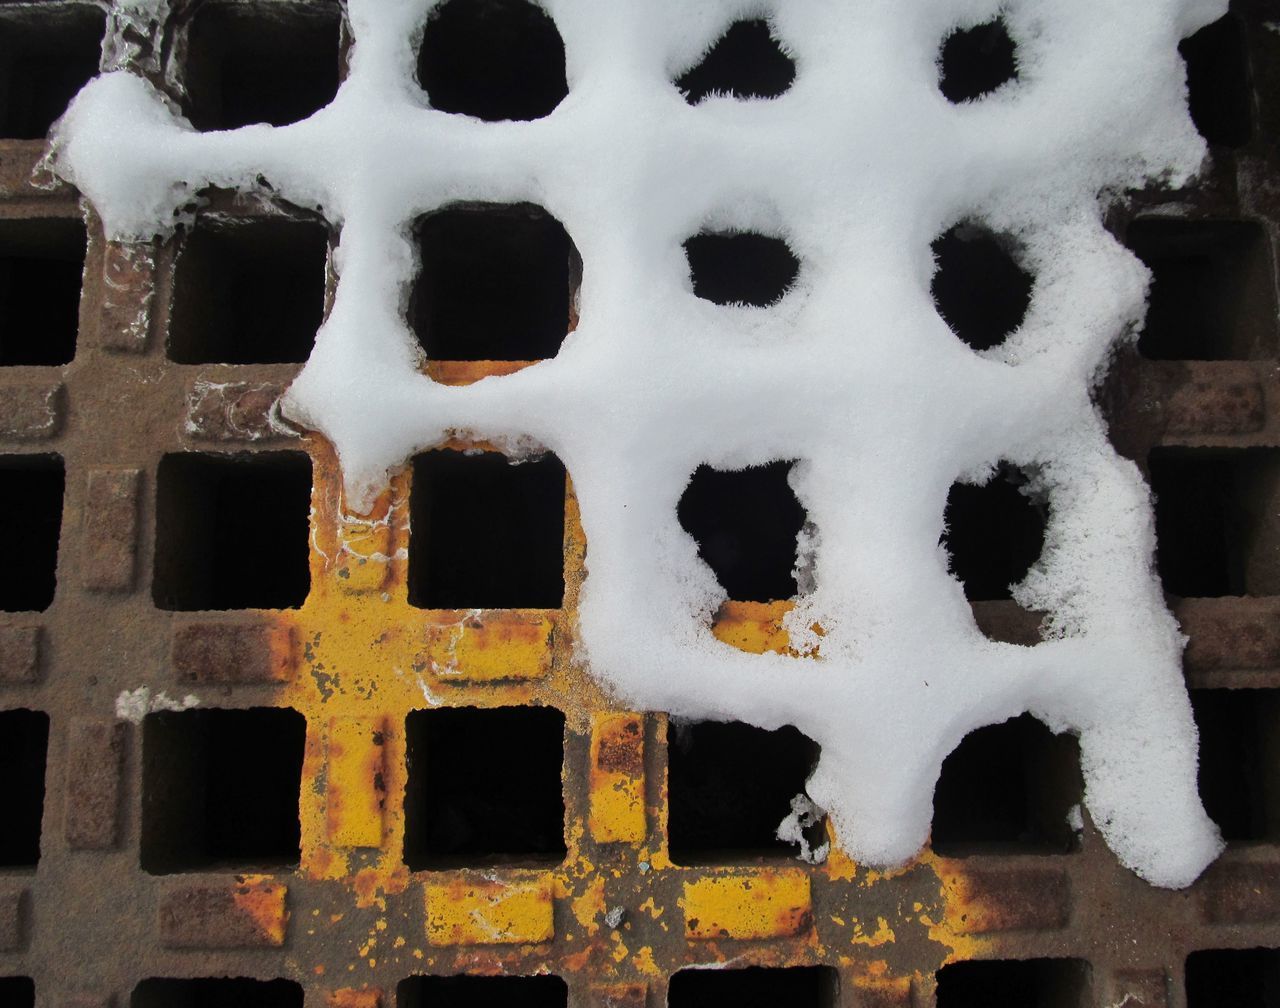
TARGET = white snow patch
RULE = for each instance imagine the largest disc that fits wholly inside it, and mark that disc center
(135, 704)
(859, 166)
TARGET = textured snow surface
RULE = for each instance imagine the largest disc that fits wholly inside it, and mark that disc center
(859, 166)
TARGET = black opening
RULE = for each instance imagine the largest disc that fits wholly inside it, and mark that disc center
(261, 63)
(978, 287)
(1216, 528)
(232, 531)
(484, 787)
(1219, 93)
(482, 992)
(1240, 760)
(46, 56)
(41, 265)
(216, 992)
(1233, 978)
(745, 62)
(994, 533)
(730, 785)
(1008, 788)
(492, 59)
(24, 740)
(496, 283)
(486, 533)
(248, 292)
(17, 992)
(1009, 983)
(31, 495)
(1212, 292)
(740, 267)
(745, 522)
(220, 789)
(975, 61)
(755, 987)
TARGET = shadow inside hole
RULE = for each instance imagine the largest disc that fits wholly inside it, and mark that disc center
(465, 991)
(745, 62)
(755, 987)
(1009, 983)
(975, 61)
(497, 282)
(1238, 978)
(1219, 92)
(745, 522)
(1008, 788)
(216, 992)
(978, 287)
(41, 266)
(994, 533)
(730, 785)
(740, 267)
(1239, 773)
(17, 992)
(47, 54)
(24, 742)
(31, 493)
(492, 59)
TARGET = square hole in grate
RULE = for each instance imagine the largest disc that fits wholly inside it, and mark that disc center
(979, 287)
(248, 291)
(271, 63)
(993, 533)
(730, 784)
(740, 267)
(216, 992)
(746, 523)
(1014, 983)
(1212, 294)
(24, 742)
(1240, 760)
(973, 62)
(755, 987)
(484, 787)
(41, 266)
(48, 52)
(745, 62)
(486, 533)
(1220, 96)
(220, 789)
(31, 489)
(1008, 788)
(1217, 521)
(1233, 978)
(482, 992)
(17, 992)
(232, 531)
(497, 282)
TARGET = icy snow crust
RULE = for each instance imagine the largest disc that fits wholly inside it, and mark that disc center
(859, 166)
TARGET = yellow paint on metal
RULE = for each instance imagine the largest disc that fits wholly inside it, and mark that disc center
(365, 551)
(350, 997)
(483, 912)
(758, 627)
(616, 813)
(492, 645)
(764, 904)
(356, 782)
(263, 901)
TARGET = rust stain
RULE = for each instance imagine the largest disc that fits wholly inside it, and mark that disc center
(262, 900)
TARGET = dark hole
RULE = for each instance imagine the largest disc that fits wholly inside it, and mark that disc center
(41, 264)
(484, 787)
(250, 292)
(487, 533)
(496, 283)
(1219, 93)
(220, 789)
(755, 987)
(978, 287)
(31, 494)
(44, 60)
(482, 992)
(1233, 978)
(994, 533)
(745, 522)
(232, 531)
(1008, 788)
(261, 63)
(740, 267)
(1217, 531)
(1240, 760)
(730, 785)
(1009, 983)
(17, 992)
(1212, 292)
(492, 59)
(24, 739)
(220, 992)
(746, 62)
(975, 61)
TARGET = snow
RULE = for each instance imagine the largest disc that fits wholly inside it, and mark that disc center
(135, 704)
(859, 166)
